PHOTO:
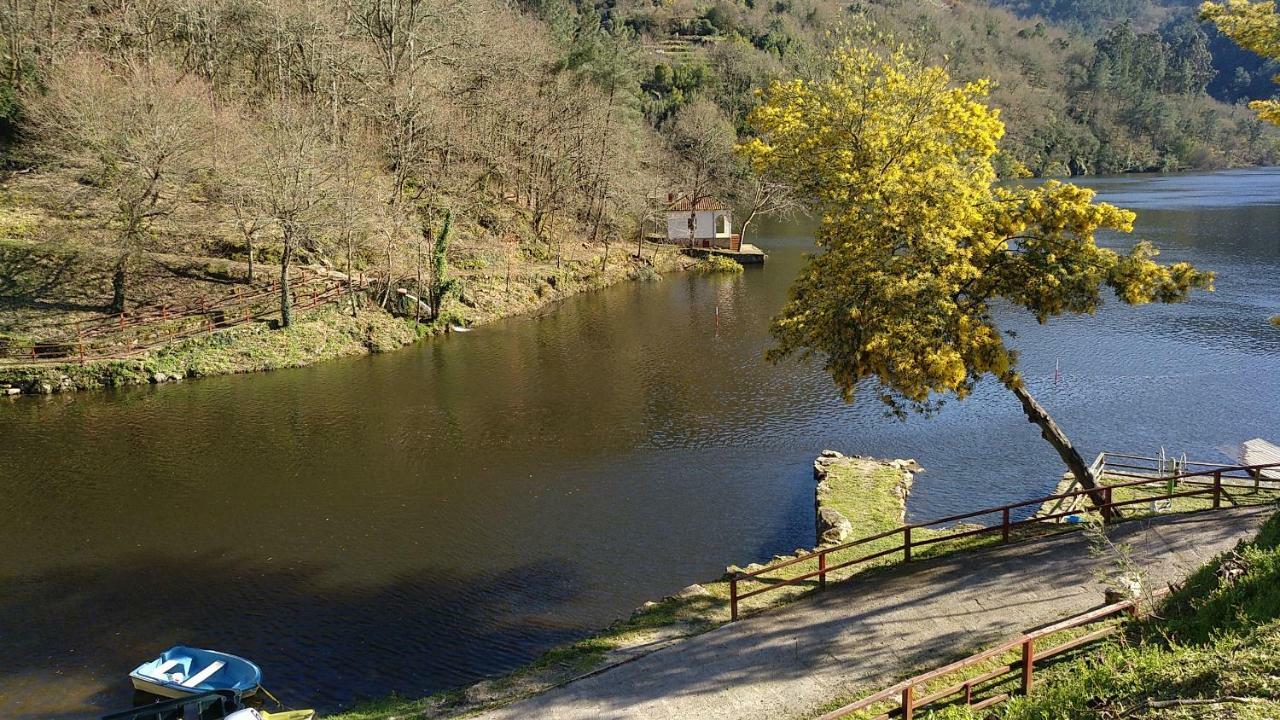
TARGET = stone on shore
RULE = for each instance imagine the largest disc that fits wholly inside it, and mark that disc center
(645, 607)
(833, 527)
(693, 591)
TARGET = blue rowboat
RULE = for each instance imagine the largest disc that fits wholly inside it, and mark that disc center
(185, 671)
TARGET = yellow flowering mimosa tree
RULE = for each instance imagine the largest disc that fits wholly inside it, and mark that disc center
(1253, 26)
(918, 243)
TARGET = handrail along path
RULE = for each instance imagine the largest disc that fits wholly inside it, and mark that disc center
(1204, 483)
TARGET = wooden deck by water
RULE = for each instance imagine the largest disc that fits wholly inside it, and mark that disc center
(1261, 452)
(748, 255)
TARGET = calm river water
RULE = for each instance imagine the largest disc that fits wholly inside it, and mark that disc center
(423, 519)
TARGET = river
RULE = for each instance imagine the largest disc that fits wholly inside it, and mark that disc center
(423, 519)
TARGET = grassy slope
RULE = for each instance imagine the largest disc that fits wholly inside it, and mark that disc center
(1218, 637)
(321, 335)
(54, 271)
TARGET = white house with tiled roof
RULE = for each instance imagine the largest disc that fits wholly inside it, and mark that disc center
(712, 227)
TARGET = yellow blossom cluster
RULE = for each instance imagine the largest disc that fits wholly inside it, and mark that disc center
(1254, 26)
(917, 238)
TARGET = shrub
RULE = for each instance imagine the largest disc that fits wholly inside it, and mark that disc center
(716, 264)
(645, 273)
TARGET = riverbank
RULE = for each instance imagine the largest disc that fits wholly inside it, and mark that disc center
(325, 333)
(869, 494)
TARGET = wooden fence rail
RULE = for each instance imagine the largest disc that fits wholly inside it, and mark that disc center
(910, 701)
(173, 310)
(1121, 465)
(1203, 483)
(159, 325)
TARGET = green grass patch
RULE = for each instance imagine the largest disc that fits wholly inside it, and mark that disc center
(715, 265)
(1150, 504)
(323, 334)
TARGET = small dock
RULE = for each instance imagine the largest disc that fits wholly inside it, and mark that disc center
(1261, 452)
(748, 254)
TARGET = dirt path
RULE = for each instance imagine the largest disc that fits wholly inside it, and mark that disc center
(873, 630)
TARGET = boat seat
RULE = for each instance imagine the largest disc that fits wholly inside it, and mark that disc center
(204, 674)
(161, 673)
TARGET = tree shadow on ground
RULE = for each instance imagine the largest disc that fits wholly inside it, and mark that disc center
(31, 277)
(874, 629)
(72, 634)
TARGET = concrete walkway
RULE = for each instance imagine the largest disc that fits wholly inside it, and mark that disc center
(869, 632)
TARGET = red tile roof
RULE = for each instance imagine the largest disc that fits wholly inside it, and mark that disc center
(681, 204)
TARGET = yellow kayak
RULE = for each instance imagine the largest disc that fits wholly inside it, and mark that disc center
(256, 714)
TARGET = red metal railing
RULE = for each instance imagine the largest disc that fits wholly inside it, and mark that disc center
(909, 701)
(1208, 483)
(154, 312)
(135, 331)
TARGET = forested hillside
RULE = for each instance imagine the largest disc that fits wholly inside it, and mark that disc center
(347, 134)
(1238, 73)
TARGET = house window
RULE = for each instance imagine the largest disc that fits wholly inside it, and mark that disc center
(722, 224)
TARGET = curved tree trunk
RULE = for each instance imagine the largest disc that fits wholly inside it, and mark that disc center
(1050, 431)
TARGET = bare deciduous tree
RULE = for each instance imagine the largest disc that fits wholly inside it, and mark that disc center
(761, 196)
(703, 139)
(137, 130)
(296, 173)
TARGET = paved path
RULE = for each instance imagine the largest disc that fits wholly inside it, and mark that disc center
(862, 634)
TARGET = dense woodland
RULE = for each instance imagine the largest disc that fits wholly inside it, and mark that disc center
(350, 133)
